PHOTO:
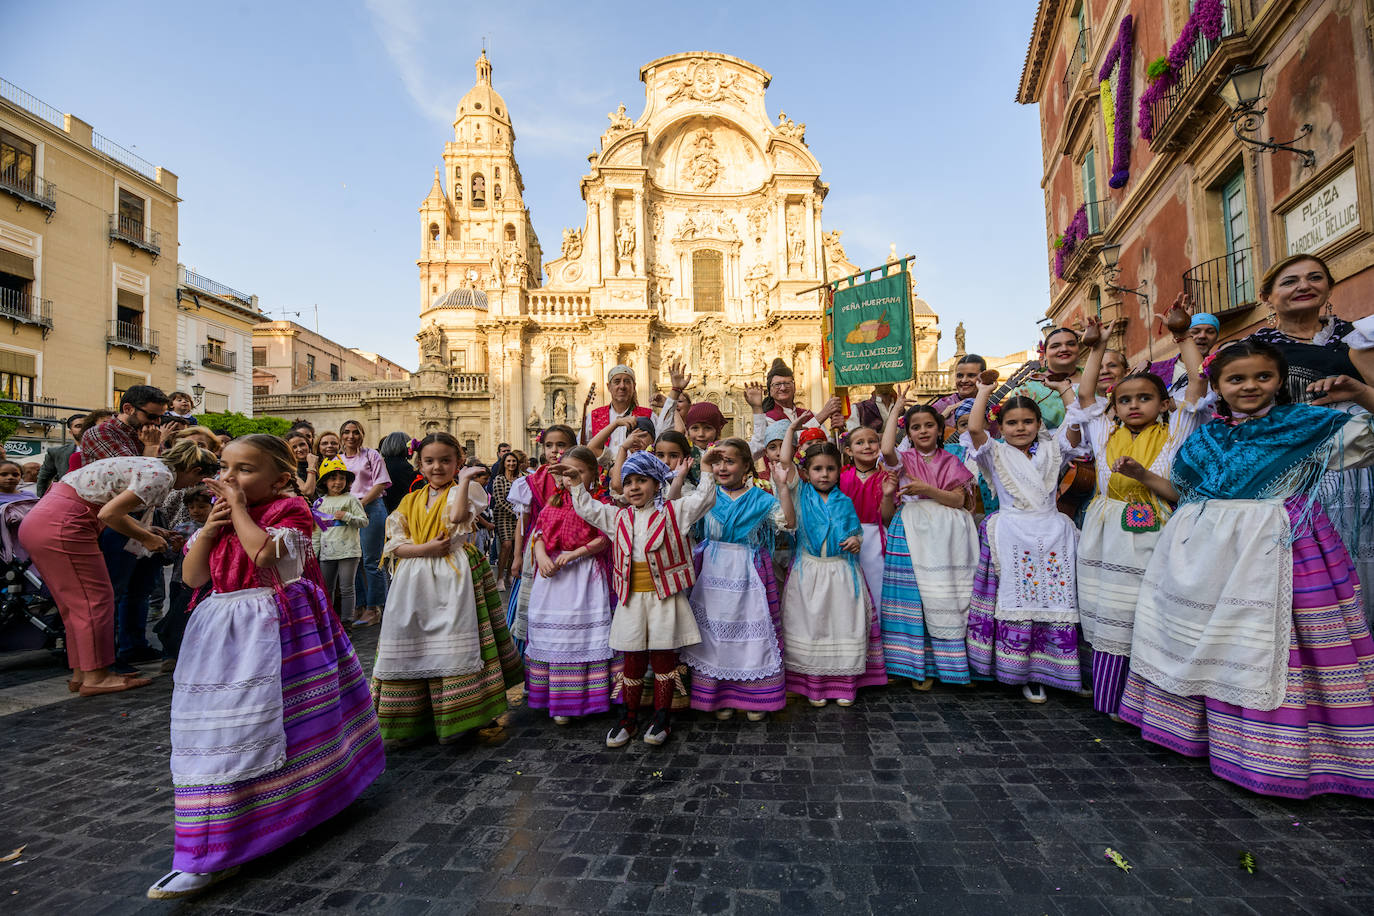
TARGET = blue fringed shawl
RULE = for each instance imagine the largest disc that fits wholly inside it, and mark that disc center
(742, 520)
(1278, 455)
(823, 523)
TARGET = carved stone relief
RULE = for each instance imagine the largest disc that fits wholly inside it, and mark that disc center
(701, 167)
(572, 244)
(704, 81)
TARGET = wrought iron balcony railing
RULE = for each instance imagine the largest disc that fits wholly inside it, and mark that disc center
(215, 288)
(133, 337)
(29, 188)
(26, 309)
(1222, 285)
(137, 233)
(218, 358)
(1195, 78)
(1077, 60)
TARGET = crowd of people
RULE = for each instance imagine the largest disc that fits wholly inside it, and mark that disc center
(1207, 593)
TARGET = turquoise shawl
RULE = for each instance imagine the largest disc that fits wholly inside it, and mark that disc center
(1281, 454)
(742, 520)
(823, 523)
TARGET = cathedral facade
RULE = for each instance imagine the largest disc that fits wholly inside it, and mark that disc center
(703, 242)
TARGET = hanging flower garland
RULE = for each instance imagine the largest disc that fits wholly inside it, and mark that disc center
(1075, 232)
(1206, 20)
(1115, 81)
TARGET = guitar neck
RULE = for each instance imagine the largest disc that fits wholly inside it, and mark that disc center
(1017, 377)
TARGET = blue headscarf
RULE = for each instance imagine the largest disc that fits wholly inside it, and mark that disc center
(964, 409)
(646, 464)
(1204, 318)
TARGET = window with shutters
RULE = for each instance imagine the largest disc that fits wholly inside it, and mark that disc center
(132, 214)
(16, 283)
(128, 309)
(558, 361)
(123, 381)
(261, 390)
(17, 157)
(333, 372)
(216, 402)
(310, 367)
(18, 375)
(259, 356)
(708, 281)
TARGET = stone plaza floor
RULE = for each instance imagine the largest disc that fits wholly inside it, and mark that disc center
(957, 801)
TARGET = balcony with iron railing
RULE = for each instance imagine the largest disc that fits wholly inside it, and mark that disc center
(1078, 59)
(214, 357)
(1078, 263)
(29, 189)
(22, 308)
(1222, 285)
(132, 336)
(1200, 75)
(214, 288)
(136, 233)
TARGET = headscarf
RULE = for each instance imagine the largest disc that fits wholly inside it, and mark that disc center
(646, 464)
(964, 409)
(776, 432)
(705, 412)
(1203, 318)
(621, 369)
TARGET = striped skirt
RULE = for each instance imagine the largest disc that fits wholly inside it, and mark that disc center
(1321, 738)
(766, 694)
(449, 706)
(568, 688)
(908, 650)
(1016, 651)
(333, 749)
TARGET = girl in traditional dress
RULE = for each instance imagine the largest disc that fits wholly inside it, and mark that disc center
(651, 570)
(527, 498)
(1023, 620)
(1134, 436)
(738, 663)
(832, 641)
(273, 731)
(932, 554)
(568, 655)
(862, 481)
(1250, 644)
(444, 656)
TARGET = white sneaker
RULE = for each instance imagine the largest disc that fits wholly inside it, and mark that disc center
(754, 716)
(723, 714)
(561, 720)
(1034, 692)
(844, 702)
(818, 703)
(176, 884)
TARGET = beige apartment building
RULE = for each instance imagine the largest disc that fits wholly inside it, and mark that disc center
(215, 343)
(288, 357)
(88, 264)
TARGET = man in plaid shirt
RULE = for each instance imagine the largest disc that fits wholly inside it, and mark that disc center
(135, 430)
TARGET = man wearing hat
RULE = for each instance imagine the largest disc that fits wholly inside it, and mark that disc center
(1205, 330)
(776, 400)
(620, 383)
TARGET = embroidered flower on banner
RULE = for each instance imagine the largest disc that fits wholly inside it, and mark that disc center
(1116, 86)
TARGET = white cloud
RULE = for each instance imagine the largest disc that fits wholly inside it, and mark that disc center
(400, 27)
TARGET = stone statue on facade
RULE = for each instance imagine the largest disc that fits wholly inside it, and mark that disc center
(791, 129)
(834, 251)
(625, 245)
(620, 120)
(560, 401)
(431, 340)
(572, 243)
(796, 245)
(959, 340)
(702, 167)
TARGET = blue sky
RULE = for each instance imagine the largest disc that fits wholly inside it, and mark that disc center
(305, 135)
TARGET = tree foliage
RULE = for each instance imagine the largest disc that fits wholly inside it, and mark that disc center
(8, 409)
(236, 424)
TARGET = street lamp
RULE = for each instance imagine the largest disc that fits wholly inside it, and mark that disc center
(1111, 257)
(1241, 91)
(197, 394)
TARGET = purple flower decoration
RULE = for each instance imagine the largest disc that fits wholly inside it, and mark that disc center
(1206, 20)
(1119, 56)
(1075, 232)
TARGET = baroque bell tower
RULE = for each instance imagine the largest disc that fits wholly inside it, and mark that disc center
(478, 250)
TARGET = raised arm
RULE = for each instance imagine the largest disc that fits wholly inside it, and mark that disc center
(782, 489)
(978, 419)
(598, 442)
(1096, 342)
(1188, 353)
(890, 456)
(789, 442)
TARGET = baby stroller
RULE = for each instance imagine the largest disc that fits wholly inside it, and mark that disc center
(28, 616)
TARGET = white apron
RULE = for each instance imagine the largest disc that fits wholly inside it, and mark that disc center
(943, 545)
(825, 624)
(1111, 565)
(871, 562)
(730, 604)
(1216, 621)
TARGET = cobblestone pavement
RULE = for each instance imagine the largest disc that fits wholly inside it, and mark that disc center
(958, 801)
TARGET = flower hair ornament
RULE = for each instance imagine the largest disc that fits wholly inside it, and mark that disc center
(996, 412)
(1207, 365)
(410, 449)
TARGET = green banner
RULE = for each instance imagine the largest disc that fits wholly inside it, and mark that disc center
(23, 448)
(871, 343)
